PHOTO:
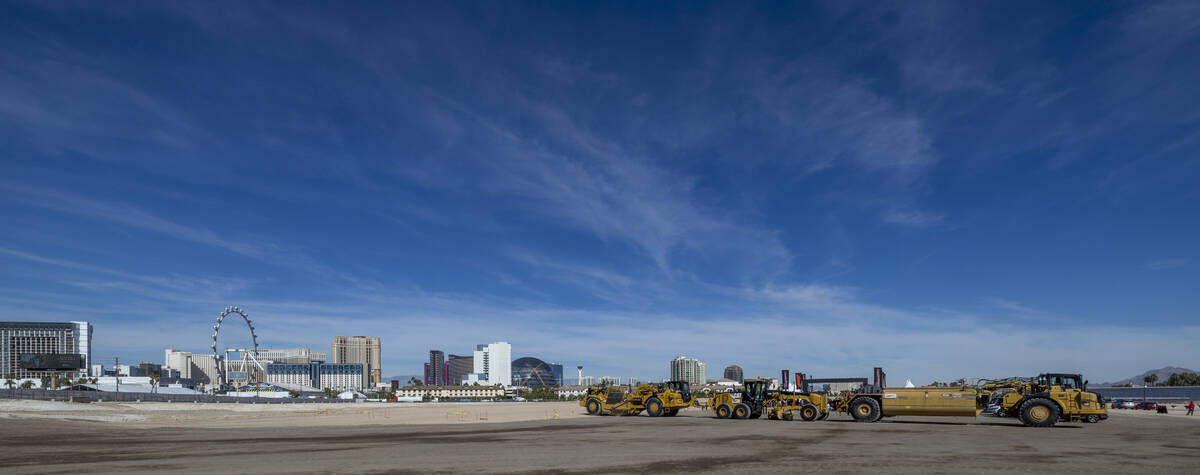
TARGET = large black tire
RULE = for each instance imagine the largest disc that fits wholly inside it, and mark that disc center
(724, 411)
(741, 411)
(823, 416)
(654, 407)
(593, 406)
(1039, 412)
(809, 413)
(865, 409)
(671, 413)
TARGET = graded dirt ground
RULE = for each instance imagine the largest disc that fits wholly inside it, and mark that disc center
(557, 438)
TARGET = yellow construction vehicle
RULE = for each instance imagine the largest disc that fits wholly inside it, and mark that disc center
(785, 406)
(1047, 399)
(657, 400)
(1038, 402)
(671, 395)
(755, 399)
(608, 400)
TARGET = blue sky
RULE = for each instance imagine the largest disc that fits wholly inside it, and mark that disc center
(942, 189)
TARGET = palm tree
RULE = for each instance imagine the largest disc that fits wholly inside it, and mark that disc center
(95, 381)
(1149, 380)
(46, 380)
(8, 380)
(27, 384)
(154, 378)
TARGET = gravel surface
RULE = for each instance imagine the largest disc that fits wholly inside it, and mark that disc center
(556, 437)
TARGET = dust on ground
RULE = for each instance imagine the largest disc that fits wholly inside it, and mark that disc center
(213, 415)
(558, 438)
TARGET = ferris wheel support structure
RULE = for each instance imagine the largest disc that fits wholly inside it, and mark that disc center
(222, 370)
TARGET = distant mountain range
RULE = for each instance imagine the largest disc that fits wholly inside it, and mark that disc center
(1163, 374)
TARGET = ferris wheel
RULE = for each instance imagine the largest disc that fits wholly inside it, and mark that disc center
(249, 356)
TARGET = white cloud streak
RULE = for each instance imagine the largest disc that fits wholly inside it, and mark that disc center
(588, 181)
(128, 215)
(138, 218)
(821, 330)
(1164, 264)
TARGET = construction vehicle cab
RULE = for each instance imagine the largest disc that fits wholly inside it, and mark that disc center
(744, 404)
(1066, 381)
(683, 388)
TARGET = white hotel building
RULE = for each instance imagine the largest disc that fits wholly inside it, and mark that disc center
(493, 364)
(337, 376)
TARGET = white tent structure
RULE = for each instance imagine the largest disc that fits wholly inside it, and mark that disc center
(352, 395)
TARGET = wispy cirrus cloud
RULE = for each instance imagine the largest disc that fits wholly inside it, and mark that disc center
(129, 215)
(124, 214)
(685, 192)
(91, 110)
(806, 118)
(821, 329)
(830, 125)
(105, 279)
(590, 181)
(1163, 264)
(807, 328)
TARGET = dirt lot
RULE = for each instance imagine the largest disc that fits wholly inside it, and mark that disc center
(554, 437)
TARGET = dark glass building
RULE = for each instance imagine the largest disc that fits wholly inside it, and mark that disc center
(532, 372)
(435, 371)
(457, 367)
(733, 372)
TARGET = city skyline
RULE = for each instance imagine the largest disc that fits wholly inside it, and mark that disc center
(795, 186)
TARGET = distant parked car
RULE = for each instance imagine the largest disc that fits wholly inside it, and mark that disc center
(1123, 404)
(1149, 406)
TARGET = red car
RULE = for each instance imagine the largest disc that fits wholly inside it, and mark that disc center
(1149, 406)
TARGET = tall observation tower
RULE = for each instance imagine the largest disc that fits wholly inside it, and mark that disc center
(580, 380)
